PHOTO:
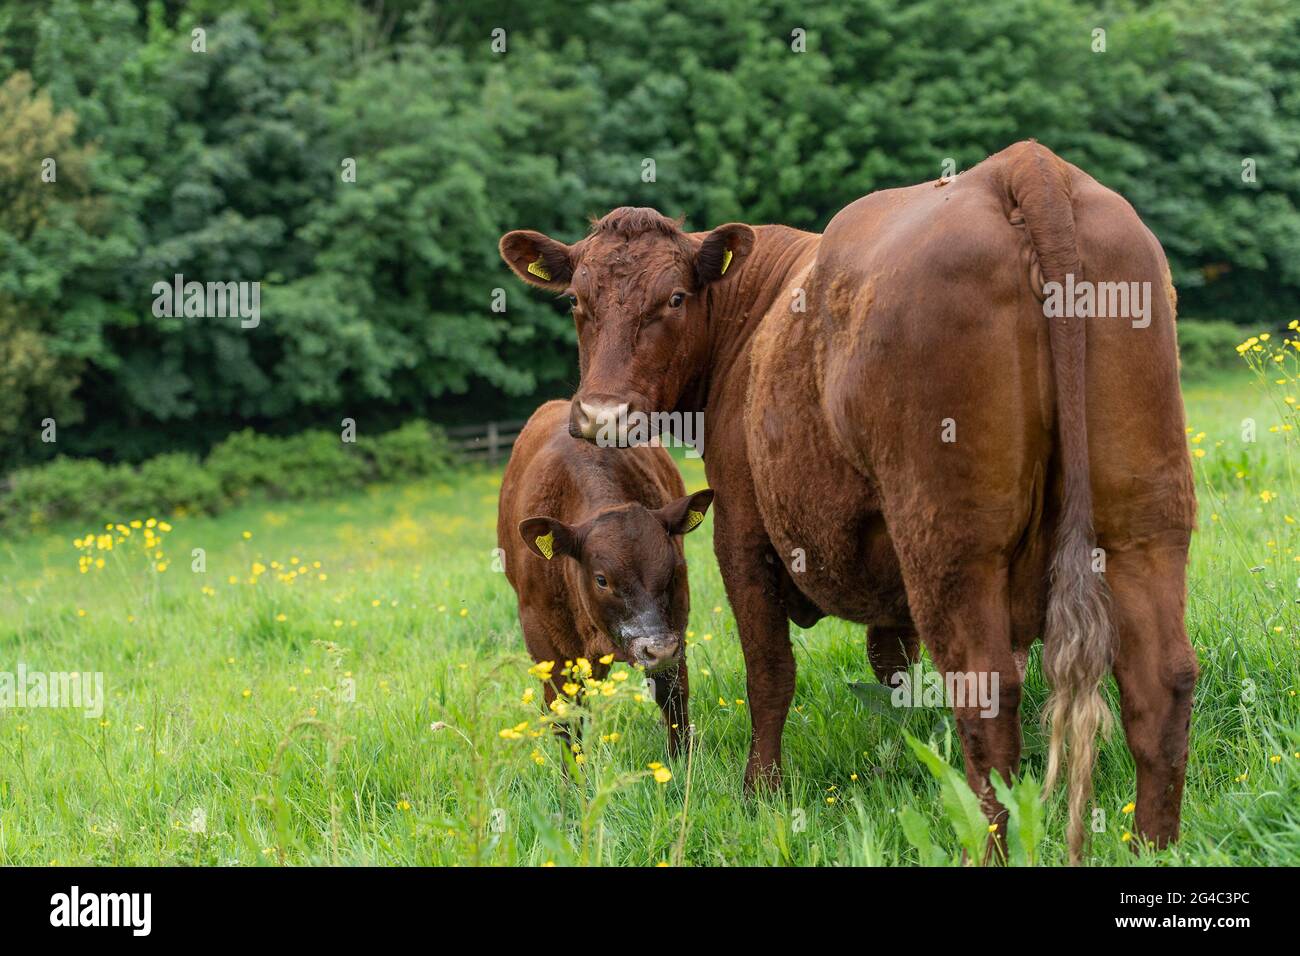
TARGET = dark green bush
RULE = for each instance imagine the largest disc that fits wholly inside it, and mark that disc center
(319, 463)
(415, 449)
(1206, 346)
(310, 464)
(174, 482)
(246, 462)
(54, 492)
(300, 466)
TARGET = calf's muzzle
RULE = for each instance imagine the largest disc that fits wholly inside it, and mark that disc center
(655, 653)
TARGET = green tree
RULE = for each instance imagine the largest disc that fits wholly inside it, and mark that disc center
(46, 234)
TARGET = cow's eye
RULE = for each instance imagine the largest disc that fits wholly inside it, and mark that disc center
(677, 299)
(601, 582)
(573, 301)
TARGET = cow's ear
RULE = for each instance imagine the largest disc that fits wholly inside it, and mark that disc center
(685, 514)
(538, 259)
(547, 537)
(722, 252)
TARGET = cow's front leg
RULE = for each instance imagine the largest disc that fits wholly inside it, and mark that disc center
(749, 571)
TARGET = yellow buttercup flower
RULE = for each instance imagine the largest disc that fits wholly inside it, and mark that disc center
(542, 670)
(513, 733)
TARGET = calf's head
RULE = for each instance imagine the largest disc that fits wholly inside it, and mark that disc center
(628, 573)
(638, 287)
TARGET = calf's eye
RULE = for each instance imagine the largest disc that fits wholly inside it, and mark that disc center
(677, 299)
(601, 582)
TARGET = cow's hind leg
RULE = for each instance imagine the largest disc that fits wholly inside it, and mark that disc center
(1156, 670)
(962, 610)
(958, 514)
(1144, 501)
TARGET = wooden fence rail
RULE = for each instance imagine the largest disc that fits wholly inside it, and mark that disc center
(486, 442)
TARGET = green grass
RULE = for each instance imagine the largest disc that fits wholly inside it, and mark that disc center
(216, 704)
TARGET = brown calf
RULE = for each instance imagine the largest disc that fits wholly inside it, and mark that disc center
(592, 546)
(903, 434)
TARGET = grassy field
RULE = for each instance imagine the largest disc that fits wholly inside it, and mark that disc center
(346, 683)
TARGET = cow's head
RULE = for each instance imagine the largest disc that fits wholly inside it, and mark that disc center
(637, 285)
(629, 572)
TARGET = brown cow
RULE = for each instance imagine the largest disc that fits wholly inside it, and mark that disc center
(899, 437)
(606, 574)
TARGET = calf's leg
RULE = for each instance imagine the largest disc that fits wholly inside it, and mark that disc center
(671, 690)
(541, 648)
(891, 650)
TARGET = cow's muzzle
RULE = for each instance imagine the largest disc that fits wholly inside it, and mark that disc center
(600, 421)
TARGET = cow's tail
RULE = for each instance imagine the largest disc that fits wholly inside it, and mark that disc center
(1078, 641)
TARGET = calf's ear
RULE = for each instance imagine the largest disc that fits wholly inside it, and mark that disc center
(685, 514)
(722, 251)
(547, 537)
(538, 259)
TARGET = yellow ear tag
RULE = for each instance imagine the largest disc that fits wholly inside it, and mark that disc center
(539, 270)
(694, 518)
(726, 261)
(546, 544)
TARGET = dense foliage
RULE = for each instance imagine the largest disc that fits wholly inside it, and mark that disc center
(378, 294)
(244, 466)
